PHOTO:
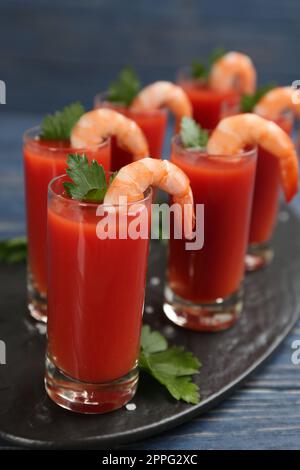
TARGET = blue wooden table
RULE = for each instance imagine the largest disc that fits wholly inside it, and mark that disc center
(264, 414)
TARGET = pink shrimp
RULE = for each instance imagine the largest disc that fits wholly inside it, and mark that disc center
(98, 124)
(235, 132)
(277, 100)
(233, 71)
(134, 179)
(161, 94)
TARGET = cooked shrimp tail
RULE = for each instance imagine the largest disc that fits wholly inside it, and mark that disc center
(134, 179)
(276, 101)
(233, 71)
(94, 126)
(234, 133)
(163, 94)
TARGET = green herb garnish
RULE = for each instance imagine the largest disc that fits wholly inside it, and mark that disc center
(171, 366)
(13, 250)
(248, 102)
(216, 54)
(125, 88)
(89, 181)
(200, 70)
(58, 126)
(192, 135)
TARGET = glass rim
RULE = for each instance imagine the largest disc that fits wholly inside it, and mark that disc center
(30, 136)
(184, 74)
(51, 192)
(101, 98)
(176, 141)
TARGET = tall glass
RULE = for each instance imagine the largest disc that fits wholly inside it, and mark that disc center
(95, 302)
(204, 288)
(209, 106)
(265, 203)
(43, 160)
(153, 124)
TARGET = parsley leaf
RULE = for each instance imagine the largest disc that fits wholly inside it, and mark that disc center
(201, 70)
(216, 54)
(192, 135)
(13, 250)
(125, 88)
(248, 102)
(171, 366)
(152, 341)
(89, 182)
(58, 126)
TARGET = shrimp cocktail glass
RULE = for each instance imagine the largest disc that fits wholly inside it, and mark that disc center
(45, 155)
(204, 287)
(98, 237)
(147, 107)
(276, 105)
(215, 89)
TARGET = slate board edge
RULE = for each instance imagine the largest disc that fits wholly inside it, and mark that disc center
(130, 437)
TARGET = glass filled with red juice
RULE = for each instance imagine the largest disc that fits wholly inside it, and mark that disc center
(153, 123)
(96, 287)
(209, 106)
(265, 203)
(204, 288)
(43, 160)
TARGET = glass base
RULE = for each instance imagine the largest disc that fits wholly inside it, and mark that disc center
(37, 302)
(217, 316)
(89, 398)
(259, 255)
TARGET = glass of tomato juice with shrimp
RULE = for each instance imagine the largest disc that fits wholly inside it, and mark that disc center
(153, 123)
(43, 160)
(209, 106)
(96, 286)
(265, 203)
(204, 287)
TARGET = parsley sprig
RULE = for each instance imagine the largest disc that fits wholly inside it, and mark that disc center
(13, 250)
(248, 102)
(201, 70)
(192, 135)
(172, 366)
(59, 125)
(125, 88)
(88, 179)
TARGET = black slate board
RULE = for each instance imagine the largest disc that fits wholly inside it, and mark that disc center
(29, 418)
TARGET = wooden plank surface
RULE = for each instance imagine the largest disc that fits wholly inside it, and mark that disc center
(54, 52)
(264, 414)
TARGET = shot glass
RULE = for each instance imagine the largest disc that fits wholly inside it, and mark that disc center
(43, 160)
(204, 287)
(153, 124)
(96, 288)
(209, 106)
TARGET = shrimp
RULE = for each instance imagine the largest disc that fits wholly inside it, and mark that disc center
(94, 126)
(235, 132)
(134, 179)
(277, 100)
(233, 71)
(161, 94)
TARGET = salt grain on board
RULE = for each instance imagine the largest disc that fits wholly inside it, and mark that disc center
(149, 309)
(154, 281)
(130, 406)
